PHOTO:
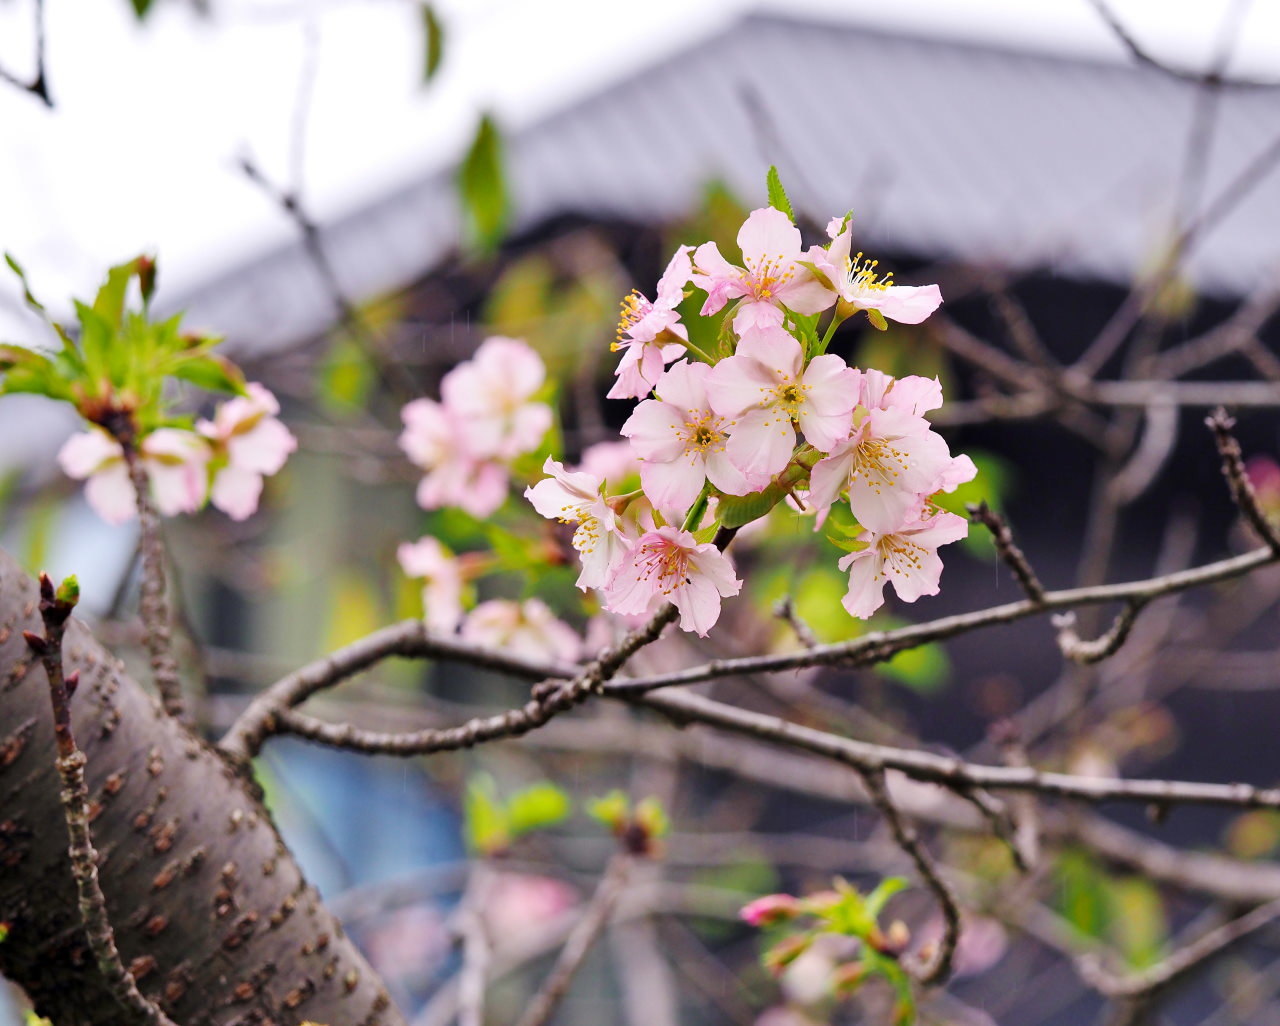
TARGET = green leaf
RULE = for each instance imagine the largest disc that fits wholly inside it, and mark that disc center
(141, 8)
(432, 41)
(96, 336)
(210, 371)
(484, 820)
(109, 302)
(25, 370)
(612, 810)
(1137, 920)
(885, 890)
(537, 807)
(777, 194)
(30, 298)
(482, 188)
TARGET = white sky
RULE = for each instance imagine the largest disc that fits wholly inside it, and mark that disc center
(140, 153)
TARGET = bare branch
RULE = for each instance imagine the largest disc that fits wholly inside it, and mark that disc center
(1242, 493)
(1013, 557)
(1078, 650)
(1182, 961)
(936, 966)
(153, 605)
(585, 933)
(55, 611)
(38, 85)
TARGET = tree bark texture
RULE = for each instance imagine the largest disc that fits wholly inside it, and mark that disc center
(211, 912)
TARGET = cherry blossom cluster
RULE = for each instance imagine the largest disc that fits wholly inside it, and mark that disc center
(223, 461)
(772, 414)
(485, 419)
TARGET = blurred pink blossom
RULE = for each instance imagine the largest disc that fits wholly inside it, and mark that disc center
(249, 443)
(442, 581)
(175, 461)
(527, 628)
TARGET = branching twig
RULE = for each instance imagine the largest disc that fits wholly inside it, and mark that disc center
(55, 610)
(785, 611)
(1007, 549)
(936, 966)
(1242, 493)
(594, 918)
(1182, 961)
(38, 86)
(153, 606)
(1085, 652)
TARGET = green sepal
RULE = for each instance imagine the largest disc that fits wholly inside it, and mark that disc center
(877, 320)
(432, 42)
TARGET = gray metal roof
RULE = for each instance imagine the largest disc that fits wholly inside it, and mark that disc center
(943, 149)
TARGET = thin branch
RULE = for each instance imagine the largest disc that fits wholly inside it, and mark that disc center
(1242, 493)
(1108, 644)
(1213, 77)
(950, 772)
(153, 605)
(585, 933)
(936, 966)
(1229, 337)
(55, 611)
(38, 85)
(784, 609)
(476, 949)
(1012, 556)
(1182, 961)
(409, 639)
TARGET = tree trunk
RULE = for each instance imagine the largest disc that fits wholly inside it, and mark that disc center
(211, 912)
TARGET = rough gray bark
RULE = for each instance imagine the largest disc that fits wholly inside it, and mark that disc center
(211, 913)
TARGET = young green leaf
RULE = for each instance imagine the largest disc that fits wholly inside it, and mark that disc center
(27, 294)
(541, 805)
(482, 188)
(778, 198)
(432, 42)
(210, 371)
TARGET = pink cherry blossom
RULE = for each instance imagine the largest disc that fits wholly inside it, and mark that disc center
(175, 462)
(773, 276)
(526, 628)
(906, 556)
(682, 442)
(647, 331)
(249, 443)
(436, 439)
(576, 498)
(765, 387)
(614, 462)
(670, 565)
(770, 909)
(492, 393)
(861, 284)
(442, 581)
(890, 465)
(912, 393)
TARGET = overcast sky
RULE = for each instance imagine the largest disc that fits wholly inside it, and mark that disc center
(141, 150)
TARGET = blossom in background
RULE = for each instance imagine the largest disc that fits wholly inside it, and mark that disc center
(906, 556)
(859, 282)
(1263, 474)
(527, 628)
(614, 462)
(682, 442)
(176, 463)
(647, 331)
(492, 393)
(575, 498)
(442, 581)
(773, 276)
(248, 444)
(765, 387)
(770, 909)
(669, 565)
(436, 439)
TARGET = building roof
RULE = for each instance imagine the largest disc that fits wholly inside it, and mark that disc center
(945, 149)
